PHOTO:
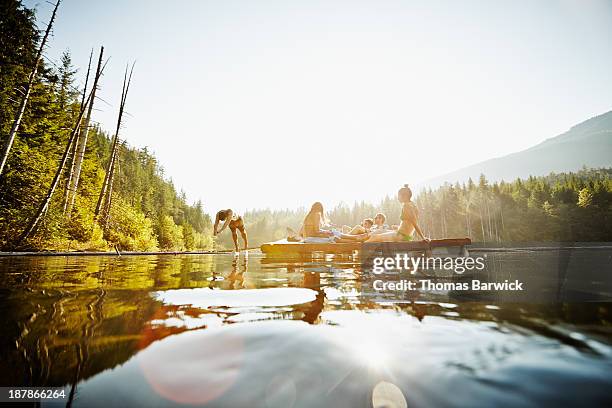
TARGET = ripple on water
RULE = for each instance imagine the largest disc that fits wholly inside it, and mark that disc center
(363, 359)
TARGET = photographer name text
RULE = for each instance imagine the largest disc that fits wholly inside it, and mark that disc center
(430, 285)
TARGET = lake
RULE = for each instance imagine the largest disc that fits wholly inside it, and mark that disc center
(223, 330)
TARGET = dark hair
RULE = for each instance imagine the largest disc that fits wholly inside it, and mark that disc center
(318, 207)
(369, 220)
(222, 214)
(382, 216)
(404, 194)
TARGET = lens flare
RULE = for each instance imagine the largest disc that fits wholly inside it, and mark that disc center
(388, 395)
(179, 367)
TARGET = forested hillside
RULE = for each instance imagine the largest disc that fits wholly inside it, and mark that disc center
(142, 210)
(558, 207)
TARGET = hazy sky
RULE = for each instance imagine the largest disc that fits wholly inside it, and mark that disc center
(251, 104)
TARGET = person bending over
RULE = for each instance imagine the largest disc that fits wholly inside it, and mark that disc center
(234, 222)
(409, 221)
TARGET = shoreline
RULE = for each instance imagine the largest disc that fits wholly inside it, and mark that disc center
(112, 253)
(474, 247)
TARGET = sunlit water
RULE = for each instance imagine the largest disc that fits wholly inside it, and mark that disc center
(220, 330)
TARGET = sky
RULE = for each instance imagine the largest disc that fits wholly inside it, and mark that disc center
(277, 104)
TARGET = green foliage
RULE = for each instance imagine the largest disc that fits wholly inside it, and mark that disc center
(170, 235)
(585, 198)
(145, 205)
(129, 228)
(17, 52)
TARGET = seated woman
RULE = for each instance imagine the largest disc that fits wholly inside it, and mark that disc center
(313, 232)
(408, 224)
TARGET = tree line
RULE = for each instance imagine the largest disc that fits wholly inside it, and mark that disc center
(566, 207)
(65, 183)
(554, 208)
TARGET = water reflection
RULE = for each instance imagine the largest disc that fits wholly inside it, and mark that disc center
(247, 330)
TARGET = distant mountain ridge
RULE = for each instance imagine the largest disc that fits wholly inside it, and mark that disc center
(588, 143)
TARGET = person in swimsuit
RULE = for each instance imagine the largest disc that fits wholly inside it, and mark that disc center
(313, 227)
(409, 221)
(234, 222)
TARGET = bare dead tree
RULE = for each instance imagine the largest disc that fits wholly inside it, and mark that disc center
(104, 192)
(501, 215)
(76, 141)
(45, 204)
(489, 222)
(26, 95)
(484, 237)
(82, 141)
(109, 194)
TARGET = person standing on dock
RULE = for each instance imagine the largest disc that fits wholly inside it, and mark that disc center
(234, 222)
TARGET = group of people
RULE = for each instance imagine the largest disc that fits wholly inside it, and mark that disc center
(316, 228)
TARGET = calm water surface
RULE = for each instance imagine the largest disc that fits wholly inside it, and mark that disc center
(220, 330)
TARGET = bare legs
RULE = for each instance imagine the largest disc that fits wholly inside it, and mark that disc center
(352, 238)
(244, 237)
(234, 237)
(358, 230)
(389, 236)
(238, 225)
